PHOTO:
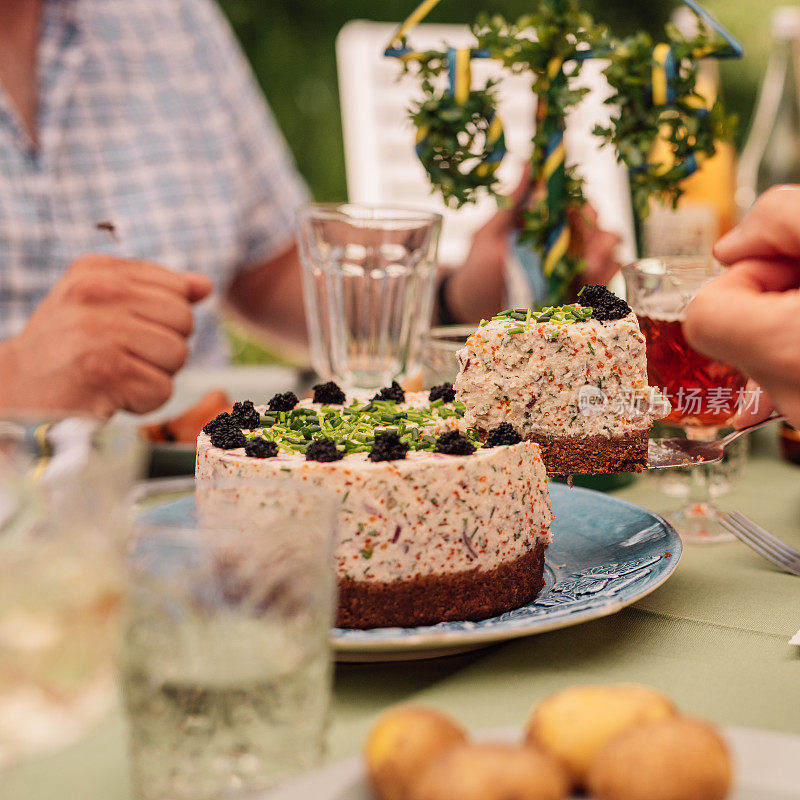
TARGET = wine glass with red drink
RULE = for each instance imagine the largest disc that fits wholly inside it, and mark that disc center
(704, 394)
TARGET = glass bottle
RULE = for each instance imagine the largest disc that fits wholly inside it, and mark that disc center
(772, 151)
(771, 154)
(706, 208)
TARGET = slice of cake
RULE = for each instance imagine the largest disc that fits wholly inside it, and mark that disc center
(434, 525)
(572, 379)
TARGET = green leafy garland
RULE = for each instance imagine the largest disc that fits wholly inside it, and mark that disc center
(639, 125)
(456, 140)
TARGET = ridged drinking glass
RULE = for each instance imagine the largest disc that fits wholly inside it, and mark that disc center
(368, 278)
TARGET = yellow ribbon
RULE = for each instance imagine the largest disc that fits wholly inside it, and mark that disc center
(416, 16)
(556, 252)
(554, 160)
(659, 79)
(462, 74)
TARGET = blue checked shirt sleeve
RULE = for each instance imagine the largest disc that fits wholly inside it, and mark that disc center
(270, 187)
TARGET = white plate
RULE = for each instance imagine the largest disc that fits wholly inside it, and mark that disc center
(766, 764)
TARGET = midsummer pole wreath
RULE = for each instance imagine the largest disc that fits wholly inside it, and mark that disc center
(460, 140)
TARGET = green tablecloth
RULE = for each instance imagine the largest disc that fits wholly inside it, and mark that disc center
(715, 637)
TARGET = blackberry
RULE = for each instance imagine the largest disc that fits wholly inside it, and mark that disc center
(454, 444)
(329, 394)
(283, 402)
(605, 305)
(323, 450)
(444, 391)
(261, 448)
(228, 438)
(502, 434)
(388, 447)
(394, 392)
(245, 415)
(223, 420)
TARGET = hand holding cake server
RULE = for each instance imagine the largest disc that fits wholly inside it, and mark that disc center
(750, 316)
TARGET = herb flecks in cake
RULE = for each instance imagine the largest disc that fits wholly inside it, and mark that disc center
(388, 447)
(394, 392)
(502, 434)
(444, 391)
(606, 306)
(261, 448)
(244, 415)
(324, 450)
(454, 444)
(283, 401)
(329, 393)
(556, 377)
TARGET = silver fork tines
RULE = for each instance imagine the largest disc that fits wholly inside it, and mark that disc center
(764, 543)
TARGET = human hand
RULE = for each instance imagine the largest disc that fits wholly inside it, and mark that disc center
(750, 316)
(476, 290)
(109, 335)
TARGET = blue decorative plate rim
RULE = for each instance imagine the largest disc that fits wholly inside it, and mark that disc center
(606, 554)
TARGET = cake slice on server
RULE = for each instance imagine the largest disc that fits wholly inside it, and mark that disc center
(571, 378)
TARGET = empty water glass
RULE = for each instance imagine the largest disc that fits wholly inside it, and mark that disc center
(368, 279)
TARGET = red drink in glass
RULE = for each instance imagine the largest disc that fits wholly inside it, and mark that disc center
(703, 393)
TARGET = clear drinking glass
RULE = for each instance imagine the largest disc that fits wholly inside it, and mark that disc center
(227, 663)
(64, 486)
(439, 354)
(368, 279)
(705, 394)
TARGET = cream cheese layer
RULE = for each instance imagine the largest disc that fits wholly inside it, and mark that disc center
(427, 514)
(580, 379)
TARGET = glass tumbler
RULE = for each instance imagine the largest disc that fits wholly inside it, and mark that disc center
(368, 280)
(705, 394)
(65, 482)
(227, 663)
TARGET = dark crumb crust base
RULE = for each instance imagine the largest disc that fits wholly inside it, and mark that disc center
(592, 454)
(470, 595)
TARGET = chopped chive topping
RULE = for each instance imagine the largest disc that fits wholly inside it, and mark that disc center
(353, 427)
(559, 315)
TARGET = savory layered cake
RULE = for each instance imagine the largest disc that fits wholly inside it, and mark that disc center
(435, 523)
(573, 379)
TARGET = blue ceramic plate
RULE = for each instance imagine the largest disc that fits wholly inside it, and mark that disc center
(606, 554)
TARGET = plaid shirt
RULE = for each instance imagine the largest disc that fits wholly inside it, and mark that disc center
(150, 118)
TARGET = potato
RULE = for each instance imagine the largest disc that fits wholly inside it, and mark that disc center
(402, 743)
(575, 723)
(491, 772)
(673, 759)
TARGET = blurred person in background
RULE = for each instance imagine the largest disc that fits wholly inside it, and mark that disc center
(145, 117)
(750, 316)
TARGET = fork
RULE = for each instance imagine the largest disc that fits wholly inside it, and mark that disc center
(765, 544)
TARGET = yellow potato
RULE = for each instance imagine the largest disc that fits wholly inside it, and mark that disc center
(674, 759)
(574, 724)
(402, 743)
(491, 772)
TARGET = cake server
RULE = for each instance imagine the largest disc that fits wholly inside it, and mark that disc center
(666, 453)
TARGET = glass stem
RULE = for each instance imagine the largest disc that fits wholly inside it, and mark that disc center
(699, 487)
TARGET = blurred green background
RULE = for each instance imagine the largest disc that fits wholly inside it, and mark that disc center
(290, 44)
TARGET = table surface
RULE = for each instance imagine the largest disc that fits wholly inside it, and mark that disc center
(714, 637)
